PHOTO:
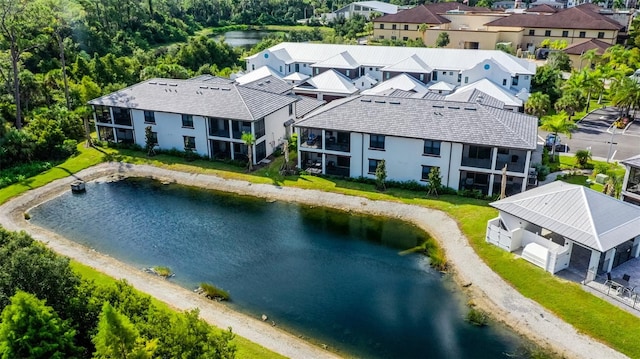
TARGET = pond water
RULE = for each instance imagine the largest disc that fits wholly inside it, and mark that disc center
(334, 277)
(243, 38)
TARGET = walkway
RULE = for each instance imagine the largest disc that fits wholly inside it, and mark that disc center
(486, 288)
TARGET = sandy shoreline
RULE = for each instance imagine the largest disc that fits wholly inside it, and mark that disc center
(488, 290)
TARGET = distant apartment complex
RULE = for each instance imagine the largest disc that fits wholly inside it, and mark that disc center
(479, 28)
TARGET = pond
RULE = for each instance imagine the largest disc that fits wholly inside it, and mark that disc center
(243, 38)
(334, 277)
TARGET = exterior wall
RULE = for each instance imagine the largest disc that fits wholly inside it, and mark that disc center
(302, 68)
(169, 128)
(274, 129)
(610, 36)
(267, 58)
(399, 33)
(457, 38)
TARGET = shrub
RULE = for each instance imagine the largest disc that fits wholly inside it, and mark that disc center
(163, 271)
(293, 142)
(477, 317)
(601, 167)
(20, 172)
(70, 147)
(213, 292)
(542, 170)
(582, 158)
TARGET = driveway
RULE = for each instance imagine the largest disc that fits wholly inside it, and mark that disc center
(595, 132)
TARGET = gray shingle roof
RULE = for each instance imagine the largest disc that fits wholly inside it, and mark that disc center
(420, 118)
(576, 212)
(196, 98)
(270, 84)
(307, 104)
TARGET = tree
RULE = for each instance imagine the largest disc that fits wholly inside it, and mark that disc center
(381, 175)
(249, 140)
(435, 181)
(442, 40)
(583, 157)
(150, 140)
(559, 123)
(559, 60)
(117, 338)
(31, 329)
(570, 101)
(538, 104)
(625, 94)
(423, 28)
(21, 25)
(592, 58)
(547, 81)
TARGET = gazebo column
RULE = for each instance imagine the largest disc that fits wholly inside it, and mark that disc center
(635, 250)
(608, 260)
(593, 266)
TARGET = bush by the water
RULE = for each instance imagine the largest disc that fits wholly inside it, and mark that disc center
(21, 172)
(213, 292)
(477, 317)
(163, 271)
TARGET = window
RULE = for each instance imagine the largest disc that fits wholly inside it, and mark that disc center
(373, 164)
(406, 27)
(317, 70)
(405, 38)
(187, 121)
(504, 82)
(259, 128)
(103, 114)
(422, 77)
(393, 37)
(526, 77)
(601, 35)
(444, 73)
(466, 79)
(189, 142)
(565, 33)
(431, 147)
(481, 153)
(382, 26)
(393, 27)
(450, 73)
(348, 73)
(376, 142)
(459, 77)
(425, 172)
(514, 81)
(547, 32)
(253, 67)
(532, 32)
(381, 37)
(261, 151)
(435, 76)
(388, 75)
(290, 109)
(149, 117)
(582, 34)
(280, 69)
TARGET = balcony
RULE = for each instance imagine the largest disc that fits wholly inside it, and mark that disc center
(311, 138)
(340, 141)
(218, 127)
(476, 156)
(514, 159)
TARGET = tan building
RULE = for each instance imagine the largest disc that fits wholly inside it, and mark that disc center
(405, 24)
(571, 25)
(479, 28)
(576, 50)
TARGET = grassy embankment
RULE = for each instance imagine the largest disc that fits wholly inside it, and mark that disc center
(587, 313)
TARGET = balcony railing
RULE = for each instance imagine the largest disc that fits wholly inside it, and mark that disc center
(476, 162)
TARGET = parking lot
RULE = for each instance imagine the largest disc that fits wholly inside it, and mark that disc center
(596, 133)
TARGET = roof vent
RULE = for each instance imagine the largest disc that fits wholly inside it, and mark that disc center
(162, 83)
(173, 84)
(204, 87)
(215, 88)
(365, 100)
(438, 106)
(380, 101)
(225, 89)
(153, 82)
(470, 108)
(454, 107)
(394, 102)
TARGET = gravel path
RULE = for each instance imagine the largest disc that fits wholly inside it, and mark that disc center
(487, 289)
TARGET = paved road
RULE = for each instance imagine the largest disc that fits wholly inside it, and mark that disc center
(595, 132)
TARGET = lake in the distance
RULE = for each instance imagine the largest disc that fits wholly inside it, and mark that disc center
(327, 275)
(243, 38)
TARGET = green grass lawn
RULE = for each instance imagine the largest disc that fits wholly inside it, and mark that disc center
(589, 314)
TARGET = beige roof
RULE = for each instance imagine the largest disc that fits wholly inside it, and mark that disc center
(578, 213)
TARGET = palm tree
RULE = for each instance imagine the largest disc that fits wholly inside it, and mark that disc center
(538, 104)
(592, 58)
(570, 101)
(560, 123)
(625, 94)
(249, 140)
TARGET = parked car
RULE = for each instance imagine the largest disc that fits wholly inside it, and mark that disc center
(551, 140)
